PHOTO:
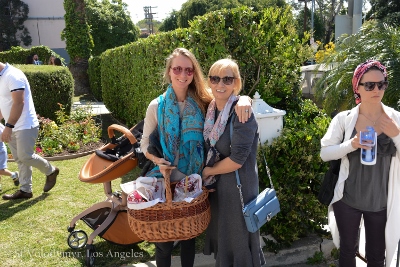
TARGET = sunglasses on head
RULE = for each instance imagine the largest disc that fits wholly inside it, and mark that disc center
(178, 70)
(370, 86)
(226, 80)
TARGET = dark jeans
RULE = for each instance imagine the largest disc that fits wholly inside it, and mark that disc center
(348, 221)
(164, 249)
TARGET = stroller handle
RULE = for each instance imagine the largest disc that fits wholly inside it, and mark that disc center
(123, 130)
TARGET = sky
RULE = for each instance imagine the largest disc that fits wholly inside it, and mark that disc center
(162, 10)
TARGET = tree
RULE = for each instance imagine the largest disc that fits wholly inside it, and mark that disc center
(375, 40)
(325, 12)
(193, 8)
(110, 25)
(170, 23)
(387, 11)
(319, 27)
(79, 43)
(12, 29)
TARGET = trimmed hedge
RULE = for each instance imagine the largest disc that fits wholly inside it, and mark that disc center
(265, 44)
(50, 86)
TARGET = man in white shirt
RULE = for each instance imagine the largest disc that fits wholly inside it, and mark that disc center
(21, 131)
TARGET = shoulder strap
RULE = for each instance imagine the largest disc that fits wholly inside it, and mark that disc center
(345, 126)
(239, 185)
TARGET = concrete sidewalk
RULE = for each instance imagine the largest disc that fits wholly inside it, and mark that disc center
(96, 108)
(296, 255)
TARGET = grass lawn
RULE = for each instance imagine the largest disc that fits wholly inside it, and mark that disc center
(34, 232)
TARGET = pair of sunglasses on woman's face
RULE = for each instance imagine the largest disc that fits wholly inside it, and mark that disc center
(227, 80)
(370, 86)
(178, 70)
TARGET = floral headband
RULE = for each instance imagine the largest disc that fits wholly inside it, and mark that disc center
(360, 71)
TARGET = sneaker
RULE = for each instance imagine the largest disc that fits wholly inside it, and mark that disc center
(15, 178)
(51, 180)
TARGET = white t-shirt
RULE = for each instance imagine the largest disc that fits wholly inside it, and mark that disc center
(12, 79)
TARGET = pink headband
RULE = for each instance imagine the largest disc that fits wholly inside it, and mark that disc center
(360, 71)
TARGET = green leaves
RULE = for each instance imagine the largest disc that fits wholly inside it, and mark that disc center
(295, 165)
(374, 41)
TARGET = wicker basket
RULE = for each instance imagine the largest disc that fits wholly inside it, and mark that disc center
(170, 221)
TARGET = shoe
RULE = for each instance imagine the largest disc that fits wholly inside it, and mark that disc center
(51, 180)
(17, 195)
(15, 178)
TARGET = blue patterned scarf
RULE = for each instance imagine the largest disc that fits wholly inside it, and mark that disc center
(184, 135)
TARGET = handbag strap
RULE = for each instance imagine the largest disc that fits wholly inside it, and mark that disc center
(239, 185)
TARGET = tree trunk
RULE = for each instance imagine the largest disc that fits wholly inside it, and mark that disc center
(79, 70)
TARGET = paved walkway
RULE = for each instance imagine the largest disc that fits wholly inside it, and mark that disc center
(96, 107)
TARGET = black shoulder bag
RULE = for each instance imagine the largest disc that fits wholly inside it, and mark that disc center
(328, 185)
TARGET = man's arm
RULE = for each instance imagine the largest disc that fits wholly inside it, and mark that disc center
(15, 114)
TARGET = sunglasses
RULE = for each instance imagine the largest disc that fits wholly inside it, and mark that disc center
(370, 86)
(226, 80)
(178, 70)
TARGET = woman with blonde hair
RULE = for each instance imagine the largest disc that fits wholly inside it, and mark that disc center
(231, 146)
(178, 117)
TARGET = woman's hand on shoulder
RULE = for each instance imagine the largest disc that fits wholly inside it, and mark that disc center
(243, 108)
(389, 126)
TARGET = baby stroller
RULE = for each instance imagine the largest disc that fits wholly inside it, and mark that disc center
(109, 218)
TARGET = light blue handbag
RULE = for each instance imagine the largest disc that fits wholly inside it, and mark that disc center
(261, 209)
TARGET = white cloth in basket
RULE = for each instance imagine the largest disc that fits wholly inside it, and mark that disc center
(144, 192)
(188, 188)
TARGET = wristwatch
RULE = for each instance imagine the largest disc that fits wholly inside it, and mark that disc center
(9, 125)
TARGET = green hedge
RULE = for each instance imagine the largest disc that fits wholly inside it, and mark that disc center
(94, 72)
(50, 86)
(265, 44)
(296, 170)
(18, 55)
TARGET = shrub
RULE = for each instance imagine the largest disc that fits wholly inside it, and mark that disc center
(296, 169)
(69, 134)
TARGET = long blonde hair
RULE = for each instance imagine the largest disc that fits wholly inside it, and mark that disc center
(197, 88)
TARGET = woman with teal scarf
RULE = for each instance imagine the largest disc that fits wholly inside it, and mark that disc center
(178, 116)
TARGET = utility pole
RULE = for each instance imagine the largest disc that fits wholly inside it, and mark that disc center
(148, 15)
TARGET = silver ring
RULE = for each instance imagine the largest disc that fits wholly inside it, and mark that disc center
(246, 110)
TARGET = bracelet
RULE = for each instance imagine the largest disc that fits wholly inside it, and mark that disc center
(9, 125)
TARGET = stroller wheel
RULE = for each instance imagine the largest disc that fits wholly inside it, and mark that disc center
(90, 251)
(77, 239)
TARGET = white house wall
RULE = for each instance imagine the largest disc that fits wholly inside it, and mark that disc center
(45, 23)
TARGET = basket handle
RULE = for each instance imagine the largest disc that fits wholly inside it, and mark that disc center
(167, 173)
(123, 130)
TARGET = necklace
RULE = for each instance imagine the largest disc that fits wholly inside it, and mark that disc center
(374, 122)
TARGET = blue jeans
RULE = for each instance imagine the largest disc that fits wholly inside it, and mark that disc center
(348, 221)
(22, 146)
